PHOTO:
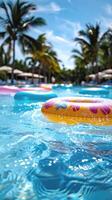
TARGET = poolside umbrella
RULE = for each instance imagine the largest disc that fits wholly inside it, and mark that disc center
(38, 76)
(9, 70)
(29, 75)
(108, 71)
(92, 76)
(6, 68)
(107, 76)
(17, 71)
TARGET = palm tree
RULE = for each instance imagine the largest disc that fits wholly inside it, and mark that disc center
(106, 49)
(5, 56)
(31, 63)
(90, 43)
(2, 56)
(104, 55)
(16, 20)
(53, 62)
(81, 56)
(43, 53)
(34, 50)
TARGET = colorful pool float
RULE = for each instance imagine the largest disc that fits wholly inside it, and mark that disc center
(13, 89)
(46, 86)
(8, 89)
(94, 91)
(34, 95)
(74, 110)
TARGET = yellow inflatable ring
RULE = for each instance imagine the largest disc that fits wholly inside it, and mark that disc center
(74, 110)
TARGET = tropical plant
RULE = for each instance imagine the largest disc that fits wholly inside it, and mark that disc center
(16, 20)
(21, 65)
(3, 76)
(106, 49)
(80, 57)
(80, 73)
(89, 41)
(2, 56)
(31, 63)
(5, 56)
(43, 54)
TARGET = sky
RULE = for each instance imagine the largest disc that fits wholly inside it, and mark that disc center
(65, 18)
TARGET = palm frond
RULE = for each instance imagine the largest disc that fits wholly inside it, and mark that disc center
(32, 21)
(28, 44)
(42, 38)
(7, 41)
(82, 33)
(26, 7)
(4, 6)
(82, 41)
(76, 51)
(2, 34)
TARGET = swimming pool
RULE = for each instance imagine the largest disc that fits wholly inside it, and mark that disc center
(41, 160)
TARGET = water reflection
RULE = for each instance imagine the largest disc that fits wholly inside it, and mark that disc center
(47, 161)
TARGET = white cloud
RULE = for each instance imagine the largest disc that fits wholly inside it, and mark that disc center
(63, 47)
(37, 31)
(74, 27)
(53, 37)
(106, 22)
(65, 57)
(108, 9)
(58, 39)
(52, 7)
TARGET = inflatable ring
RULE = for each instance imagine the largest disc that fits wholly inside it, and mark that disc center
(14, 89)
(47, 87)
(76, 110)
(34, 95)
(94, 91)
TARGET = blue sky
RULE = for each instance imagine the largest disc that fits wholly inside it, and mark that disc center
(66, 17)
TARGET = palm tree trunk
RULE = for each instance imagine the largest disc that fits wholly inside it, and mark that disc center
(13, 64)
(32, 74)
(39, 70)
(49, 75)
(97, 69)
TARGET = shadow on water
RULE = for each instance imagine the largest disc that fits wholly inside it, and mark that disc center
(80, 176)
(48, 170)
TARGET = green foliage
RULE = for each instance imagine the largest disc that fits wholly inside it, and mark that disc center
(106, 49)
(5, 57)
(15, 23)
(42, 53)
(89, 41)
(3, 75)
(95, 52)
(79, 74)
(21, 65)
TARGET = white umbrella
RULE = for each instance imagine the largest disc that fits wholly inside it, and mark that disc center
(108, 71)
(17, 71)
(6, 68)
(99, 75)
(38, 76)
(107, 76)
(26, 74)
(91, 76)
(9, 70)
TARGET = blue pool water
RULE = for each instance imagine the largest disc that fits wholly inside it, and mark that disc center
(41, 160)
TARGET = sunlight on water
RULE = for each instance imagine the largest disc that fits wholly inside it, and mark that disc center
(41, 160)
